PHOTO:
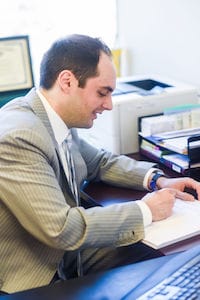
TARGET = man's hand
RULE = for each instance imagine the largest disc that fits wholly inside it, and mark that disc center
(181, 185)
(160, 203)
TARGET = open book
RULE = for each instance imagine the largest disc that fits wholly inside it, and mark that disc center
(182, 224)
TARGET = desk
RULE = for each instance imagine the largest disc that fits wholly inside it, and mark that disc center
(106, 195)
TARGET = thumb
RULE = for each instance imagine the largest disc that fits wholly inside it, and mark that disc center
(171, 191)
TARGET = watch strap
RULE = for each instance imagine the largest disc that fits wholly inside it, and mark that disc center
(156, 175)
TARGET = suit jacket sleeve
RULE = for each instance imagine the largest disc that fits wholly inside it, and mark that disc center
(113, 169)
(29, 188)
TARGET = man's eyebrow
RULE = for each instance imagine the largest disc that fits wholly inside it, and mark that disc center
(108, 88)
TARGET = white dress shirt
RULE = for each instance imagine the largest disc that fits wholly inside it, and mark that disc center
(60, 129)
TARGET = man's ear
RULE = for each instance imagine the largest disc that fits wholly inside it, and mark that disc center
(66, 80)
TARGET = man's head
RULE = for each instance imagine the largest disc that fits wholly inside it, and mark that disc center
(77, 78)
(78, 53)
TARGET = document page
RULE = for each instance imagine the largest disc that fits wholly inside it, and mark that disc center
(177, 144)
(182, 224)
(15, 62)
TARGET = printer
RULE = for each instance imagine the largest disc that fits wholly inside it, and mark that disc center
(134, 97)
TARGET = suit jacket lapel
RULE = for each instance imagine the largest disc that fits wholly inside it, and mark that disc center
(38, 108)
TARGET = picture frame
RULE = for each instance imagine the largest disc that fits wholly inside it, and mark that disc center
(15, 64)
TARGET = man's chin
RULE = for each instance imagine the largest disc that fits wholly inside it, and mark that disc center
(88, 125)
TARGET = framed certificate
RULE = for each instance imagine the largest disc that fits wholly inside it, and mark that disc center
(15, 64)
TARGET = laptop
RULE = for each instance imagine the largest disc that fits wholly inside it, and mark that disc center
(178, 278)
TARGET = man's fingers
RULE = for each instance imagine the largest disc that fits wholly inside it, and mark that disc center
(184, 196)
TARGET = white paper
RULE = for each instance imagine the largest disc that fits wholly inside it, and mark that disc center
(184, 223)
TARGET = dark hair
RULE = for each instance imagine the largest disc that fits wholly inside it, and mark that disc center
(77, 53)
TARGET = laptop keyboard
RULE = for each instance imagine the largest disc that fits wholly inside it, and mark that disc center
(183, 284)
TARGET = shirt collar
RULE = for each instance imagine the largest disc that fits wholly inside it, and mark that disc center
(61, 131)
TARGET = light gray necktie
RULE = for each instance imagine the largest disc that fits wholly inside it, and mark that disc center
(71, 170)
(72, 183)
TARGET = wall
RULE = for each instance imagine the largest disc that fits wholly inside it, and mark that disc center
(161, 37)
(45, 24)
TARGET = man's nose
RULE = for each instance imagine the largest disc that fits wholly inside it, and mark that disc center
(108, 105)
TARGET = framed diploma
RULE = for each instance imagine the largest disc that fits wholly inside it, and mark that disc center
(15, 64)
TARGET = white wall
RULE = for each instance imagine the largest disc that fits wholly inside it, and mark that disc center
(162, 37)
(45, 24)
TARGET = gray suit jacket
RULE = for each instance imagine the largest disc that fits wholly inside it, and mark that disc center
(38, 215)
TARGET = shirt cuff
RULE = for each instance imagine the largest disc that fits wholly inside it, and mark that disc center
(146, 212)
(148, 174)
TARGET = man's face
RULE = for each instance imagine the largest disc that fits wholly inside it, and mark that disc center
(95, 97)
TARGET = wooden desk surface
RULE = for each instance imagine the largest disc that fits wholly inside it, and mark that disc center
(107, 195)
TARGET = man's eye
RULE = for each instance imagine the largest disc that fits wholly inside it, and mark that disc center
(102, 94)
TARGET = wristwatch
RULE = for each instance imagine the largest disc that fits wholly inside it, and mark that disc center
(156, 175)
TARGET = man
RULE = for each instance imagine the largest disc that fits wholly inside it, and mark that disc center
(45, 231)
